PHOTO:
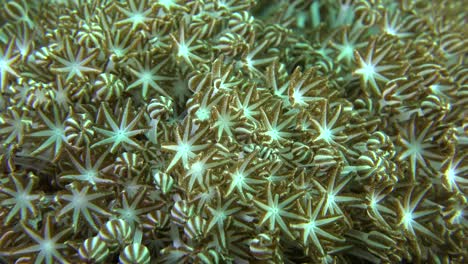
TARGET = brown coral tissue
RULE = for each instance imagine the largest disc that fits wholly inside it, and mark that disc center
(233, 131)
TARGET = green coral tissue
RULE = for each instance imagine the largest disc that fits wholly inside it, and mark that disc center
(233, 131)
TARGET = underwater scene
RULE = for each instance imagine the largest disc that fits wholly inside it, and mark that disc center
(233, 131)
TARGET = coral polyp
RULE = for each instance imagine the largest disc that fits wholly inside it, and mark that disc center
(233, 131)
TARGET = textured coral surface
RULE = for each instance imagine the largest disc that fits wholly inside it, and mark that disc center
(233, 131)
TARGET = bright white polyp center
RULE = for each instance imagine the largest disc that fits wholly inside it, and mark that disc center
(147, 76)
(75, 66)
(414, 148)
(47, 245)
(203, 114)
(331, 200)
(368, 70)
(120, 135)
(166, 3)
(58, 132)
(22, 199)
(326, 135)
(80, 201)
(118, 52)
(298, 97)
(222, 3)
(137, 18)
(451, 175)
(238, 178)
(197, 168)
(225, 121)
(312, 225)
(184, 148)
(274, 210)
(348, 51)
(247, 112)
(391, 31)
(274, 134)
(183, 51)
(407, 219)
(90, 176)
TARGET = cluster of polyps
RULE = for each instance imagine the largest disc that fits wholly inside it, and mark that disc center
(232, 131)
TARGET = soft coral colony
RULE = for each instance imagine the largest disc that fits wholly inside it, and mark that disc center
(233, 131)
